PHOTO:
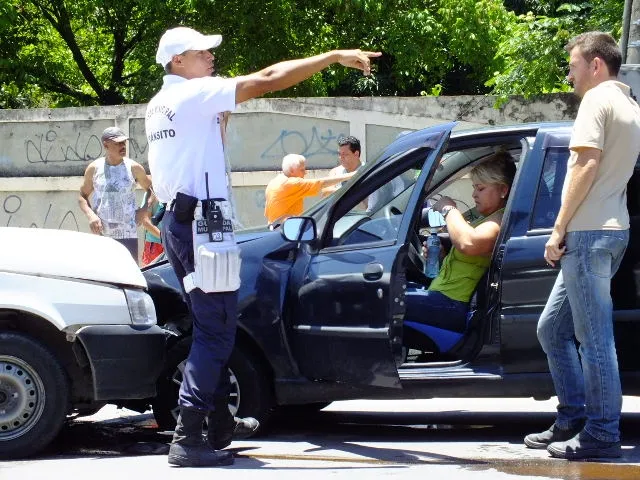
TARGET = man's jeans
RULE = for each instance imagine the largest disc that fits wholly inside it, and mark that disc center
(580, 308)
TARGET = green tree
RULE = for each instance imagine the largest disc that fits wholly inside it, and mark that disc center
(63, 53)
(532, 51)
(99, 52)
(423, 42)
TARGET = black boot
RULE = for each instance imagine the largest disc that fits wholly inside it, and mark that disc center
(188, 448)
(224, 427)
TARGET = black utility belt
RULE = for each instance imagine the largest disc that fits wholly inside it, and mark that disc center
(184, 207)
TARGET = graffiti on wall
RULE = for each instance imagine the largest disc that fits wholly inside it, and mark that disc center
(48, 148)
(138, 150)
(47, 216)
(311, 143)
(138, 144)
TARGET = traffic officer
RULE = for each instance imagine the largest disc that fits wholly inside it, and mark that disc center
(186, 160)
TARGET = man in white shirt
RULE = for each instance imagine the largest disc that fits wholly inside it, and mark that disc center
(589, 239)
(349, 157)
(185, 143)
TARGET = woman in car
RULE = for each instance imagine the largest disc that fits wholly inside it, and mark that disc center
(445, 304)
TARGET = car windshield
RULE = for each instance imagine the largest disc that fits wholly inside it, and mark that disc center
(406, 179)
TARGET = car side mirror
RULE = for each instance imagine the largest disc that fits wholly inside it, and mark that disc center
(299, 229)
(431, 218)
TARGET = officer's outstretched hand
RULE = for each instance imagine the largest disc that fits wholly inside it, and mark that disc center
(358, 59)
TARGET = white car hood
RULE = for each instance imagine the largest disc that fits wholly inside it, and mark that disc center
(62, 253)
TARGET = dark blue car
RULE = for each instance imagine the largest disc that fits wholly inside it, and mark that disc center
(322, 301)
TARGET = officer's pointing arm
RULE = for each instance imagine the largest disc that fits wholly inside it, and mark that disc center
(286, 74)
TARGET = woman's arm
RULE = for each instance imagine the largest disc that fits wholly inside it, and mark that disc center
(469, 240)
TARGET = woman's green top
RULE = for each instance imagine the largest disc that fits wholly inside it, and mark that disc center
(460, 273)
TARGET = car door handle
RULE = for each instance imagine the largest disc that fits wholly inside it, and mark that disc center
(373, 271)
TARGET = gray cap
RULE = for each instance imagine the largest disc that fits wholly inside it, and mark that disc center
(114, 134)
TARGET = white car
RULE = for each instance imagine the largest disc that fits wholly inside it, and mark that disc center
(77, 330)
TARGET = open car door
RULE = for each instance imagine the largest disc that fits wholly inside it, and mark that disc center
(346, 290)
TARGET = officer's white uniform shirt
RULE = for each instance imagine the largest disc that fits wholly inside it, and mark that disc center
(183, 132)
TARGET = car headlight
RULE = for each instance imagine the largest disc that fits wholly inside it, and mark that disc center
(141, 307)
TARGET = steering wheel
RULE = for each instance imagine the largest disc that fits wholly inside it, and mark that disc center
(391, 216)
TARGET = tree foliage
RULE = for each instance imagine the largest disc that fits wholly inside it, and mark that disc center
(532, 50)
(62, 53)
(101, 52)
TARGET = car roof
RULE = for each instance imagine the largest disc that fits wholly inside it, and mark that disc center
(415, 139)
(509, 128)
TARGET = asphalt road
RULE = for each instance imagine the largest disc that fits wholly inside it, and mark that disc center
(440, 438)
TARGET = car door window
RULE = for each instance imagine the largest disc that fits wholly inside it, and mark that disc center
(549, 191)
(378, 215)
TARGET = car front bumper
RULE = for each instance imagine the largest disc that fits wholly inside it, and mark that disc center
(125, 360)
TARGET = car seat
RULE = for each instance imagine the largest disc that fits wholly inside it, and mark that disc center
(442, 338)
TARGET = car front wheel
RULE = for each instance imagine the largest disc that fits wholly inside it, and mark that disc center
(34, 396)
(251, 391)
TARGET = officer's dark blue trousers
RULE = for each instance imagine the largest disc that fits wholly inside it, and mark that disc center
(205, 376)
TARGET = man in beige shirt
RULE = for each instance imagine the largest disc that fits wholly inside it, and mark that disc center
(589, 238)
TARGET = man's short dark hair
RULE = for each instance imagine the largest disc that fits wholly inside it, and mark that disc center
(598, 44)
(353, 142)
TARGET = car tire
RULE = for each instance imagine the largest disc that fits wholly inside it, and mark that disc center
(251, 394)
(34, 396)
(165, 403)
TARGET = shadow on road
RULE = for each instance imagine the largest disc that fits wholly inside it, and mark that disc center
(367, 439)
(455, 425)
(134, 435)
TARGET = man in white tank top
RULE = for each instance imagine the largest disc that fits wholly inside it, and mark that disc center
(107, 195)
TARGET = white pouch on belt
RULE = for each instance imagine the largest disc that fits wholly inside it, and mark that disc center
(217, 263)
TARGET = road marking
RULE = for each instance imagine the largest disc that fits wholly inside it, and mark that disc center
(585, 470)
(373, 461)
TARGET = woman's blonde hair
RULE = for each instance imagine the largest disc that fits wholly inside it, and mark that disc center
(498, 168)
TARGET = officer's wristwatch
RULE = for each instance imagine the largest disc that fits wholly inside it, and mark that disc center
(446, 209)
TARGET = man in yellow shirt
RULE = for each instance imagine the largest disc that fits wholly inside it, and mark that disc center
(286, 192)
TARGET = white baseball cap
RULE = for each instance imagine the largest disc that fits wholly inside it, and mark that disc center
(180, 39)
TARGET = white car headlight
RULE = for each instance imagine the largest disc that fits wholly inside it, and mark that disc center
(141, 307)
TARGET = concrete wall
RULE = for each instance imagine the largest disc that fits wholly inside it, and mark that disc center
(630, 74)
(43, 152)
